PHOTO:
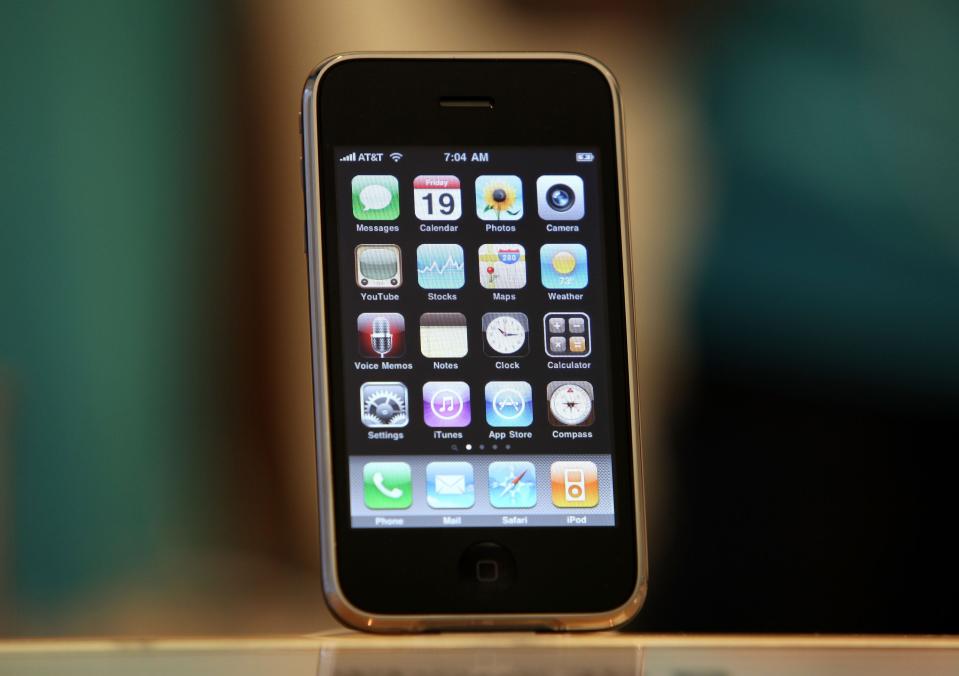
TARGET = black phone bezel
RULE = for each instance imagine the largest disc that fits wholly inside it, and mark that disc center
(395, 102)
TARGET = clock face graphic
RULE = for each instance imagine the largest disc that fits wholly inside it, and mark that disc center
(570, 403)
(506, 334)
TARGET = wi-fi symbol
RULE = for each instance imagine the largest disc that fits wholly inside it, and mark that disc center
(396, 157)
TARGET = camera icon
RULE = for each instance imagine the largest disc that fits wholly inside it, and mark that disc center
(560, 198)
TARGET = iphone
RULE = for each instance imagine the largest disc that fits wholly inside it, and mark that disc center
(475, 384)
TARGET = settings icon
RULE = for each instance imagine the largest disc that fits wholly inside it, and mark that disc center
(384, 404)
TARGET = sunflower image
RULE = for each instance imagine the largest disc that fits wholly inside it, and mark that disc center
(500, 198)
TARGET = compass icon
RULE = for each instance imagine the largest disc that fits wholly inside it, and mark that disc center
(570, 403)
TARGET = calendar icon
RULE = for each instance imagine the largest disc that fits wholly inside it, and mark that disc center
(437, 198)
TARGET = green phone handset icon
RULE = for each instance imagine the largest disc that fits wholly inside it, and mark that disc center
(392, 493)
(387, 485)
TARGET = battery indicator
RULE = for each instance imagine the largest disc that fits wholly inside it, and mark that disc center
(585, 157)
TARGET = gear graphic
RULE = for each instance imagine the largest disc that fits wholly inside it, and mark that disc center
(383, 408)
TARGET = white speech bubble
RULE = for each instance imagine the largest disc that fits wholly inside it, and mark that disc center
(375, 197)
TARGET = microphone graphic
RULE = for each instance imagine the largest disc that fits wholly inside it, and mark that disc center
(381, 340)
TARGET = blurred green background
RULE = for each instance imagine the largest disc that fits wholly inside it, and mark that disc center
(792, 170)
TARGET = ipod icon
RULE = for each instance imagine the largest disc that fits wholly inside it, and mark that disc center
(574, 484)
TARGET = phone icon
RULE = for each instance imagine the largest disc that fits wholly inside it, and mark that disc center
(387, 485)
(391, 493)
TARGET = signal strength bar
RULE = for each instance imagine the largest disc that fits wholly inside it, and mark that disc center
(348, 158)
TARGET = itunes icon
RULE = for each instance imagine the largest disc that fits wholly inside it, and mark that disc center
(446, 404)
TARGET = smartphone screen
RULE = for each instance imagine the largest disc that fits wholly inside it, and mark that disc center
(477, 336)
(477, 428)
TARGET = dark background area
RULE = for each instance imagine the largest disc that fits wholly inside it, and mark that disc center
(796, 240)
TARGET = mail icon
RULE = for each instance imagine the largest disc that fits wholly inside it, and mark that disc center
(449, 485)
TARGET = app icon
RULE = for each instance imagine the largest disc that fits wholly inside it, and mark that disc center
(499, 198)
(567, 334)
(512, 484)
(449, 485)
(570, 403)
(506, 333)
(387, 485)
(384, 404)
(443, 335)
(574, 484)
(440, 266)
(381, 335)
(563, 266)
(378, 266)
(509, 403)
(376, 198)
(560, 198)
(437, 198)
(446, 404)
(502, 266)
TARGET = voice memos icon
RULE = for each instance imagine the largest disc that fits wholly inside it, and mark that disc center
(381, 340)
(382, 335)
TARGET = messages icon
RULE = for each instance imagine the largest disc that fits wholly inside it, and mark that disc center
(376, 198)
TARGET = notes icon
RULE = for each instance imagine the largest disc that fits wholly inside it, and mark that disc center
(446, 404)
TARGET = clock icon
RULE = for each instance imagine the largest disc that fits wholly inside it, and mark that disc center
(570, 403)
(506, 334)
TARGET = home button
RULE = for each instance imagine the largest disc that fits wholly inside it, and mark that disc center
(487, 570)
(487, 566)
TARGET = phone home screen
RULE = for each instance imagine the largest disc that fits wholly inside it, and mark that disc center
(474, 324)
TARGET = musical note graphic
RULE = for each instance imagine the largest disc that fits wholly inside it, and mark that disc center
(446, 404)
